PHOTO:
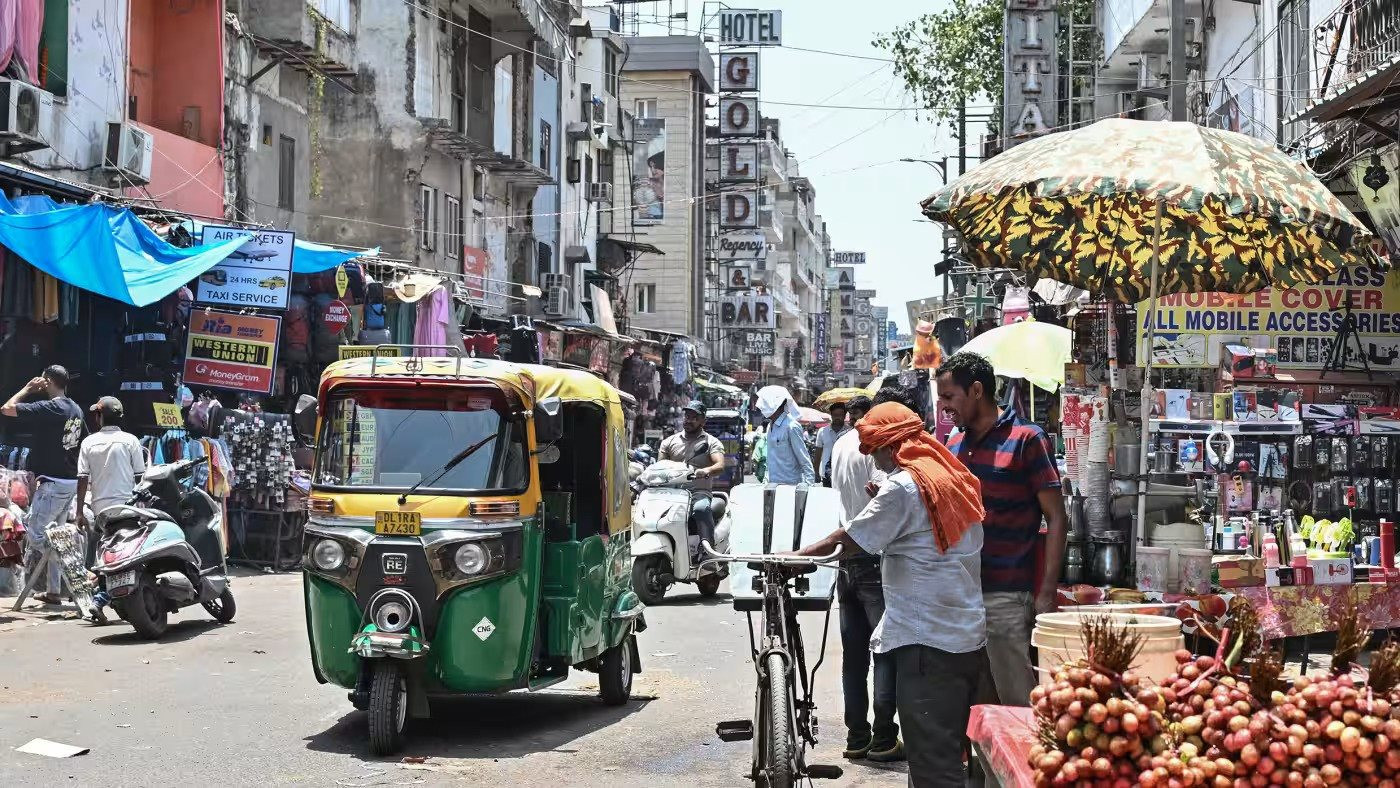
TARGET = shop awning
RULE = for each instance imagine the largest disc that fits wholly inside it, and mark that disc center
(1365, 91)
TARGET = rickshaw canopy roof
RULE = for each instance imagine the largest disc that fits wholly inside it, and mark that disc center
(533, 381)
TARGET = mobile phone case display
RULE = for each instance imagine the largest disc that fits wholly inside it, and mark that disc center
(260, 448)
(1345, 475)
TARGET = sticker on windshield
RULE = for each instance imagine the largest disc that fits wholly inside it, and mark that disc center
(484, 628)
(478, 403)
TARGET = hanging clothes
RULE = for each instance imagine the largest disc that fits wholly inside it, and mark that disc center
(69, 304)
(433, 316)
(45, 298)
(405, 320)
(19, 287)
(680, 361)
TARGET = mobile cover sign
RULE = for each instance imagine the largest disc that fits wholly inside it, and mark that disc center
(232, 351)
(256, 274)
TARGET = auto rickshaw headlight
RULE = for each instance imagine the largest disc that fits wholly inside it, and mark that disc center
(471, 559)
(328, 555)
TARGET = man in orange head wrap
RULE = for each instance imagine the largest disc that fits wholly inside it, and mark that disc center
(925, 522)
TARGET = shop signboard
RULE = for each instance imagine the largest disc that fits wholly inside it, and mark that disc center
(747, 311)
(738, 72)
(848, 258)
(738, 116)
(168, 415)
(746, 27)
(475, 263)
(335, 317)
(231, 351)
(838, 360)
(256, 274)
(820, 349)
(738, 162)
(846, 278)
(738, 210)
(1300, 323)
(743, 246)
(758, 343)
(737, 277)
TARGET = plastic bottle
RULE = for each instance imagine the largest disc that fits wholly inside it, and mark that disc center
(1270, 551)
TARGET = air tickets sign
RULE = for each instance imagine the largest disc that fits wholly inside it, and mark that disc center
(1301, 323)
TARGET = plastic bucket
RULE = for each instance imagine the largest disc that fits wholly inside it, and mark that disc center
(1057, 640)
(1193, 570)
(1152, 565)
(1176, 537)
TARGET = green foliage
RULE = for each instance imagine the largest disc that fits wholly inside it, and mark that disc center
(949, 57)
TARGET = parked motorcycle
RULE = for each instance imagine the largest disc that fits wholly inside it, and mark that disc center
(163, 550)
(665, 541)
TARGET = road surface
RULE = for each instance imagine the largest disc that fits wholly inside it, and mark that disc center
(237, 705)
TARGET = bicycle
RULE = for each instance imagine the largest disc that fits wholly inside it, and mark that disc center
(785, 714)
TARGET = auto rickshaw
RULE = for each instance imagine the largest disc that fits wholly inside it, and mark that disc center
(468, 533)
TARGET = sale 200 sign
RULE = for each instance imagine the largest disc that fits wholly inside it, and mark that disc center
(232, 351)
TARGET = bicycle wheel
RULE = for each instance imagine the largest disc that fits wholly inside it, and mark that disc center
(777, 736)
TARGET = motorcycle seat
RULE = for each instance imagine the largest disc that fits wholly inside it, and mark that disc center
(117, 514)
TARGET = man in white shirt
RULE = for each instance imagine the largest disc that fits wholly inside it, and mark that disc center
(110, 461)
(826, 439)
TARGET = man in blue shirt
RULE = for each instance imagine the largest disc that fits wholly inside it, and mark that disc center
(789, 462)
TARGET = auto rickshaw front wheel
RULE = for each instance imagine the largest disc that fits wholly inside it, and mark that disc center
(388, 707)
(615, 673)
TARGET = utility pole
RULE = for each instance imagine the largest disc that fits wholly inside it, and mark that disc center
(962, 136)
(1176, 52)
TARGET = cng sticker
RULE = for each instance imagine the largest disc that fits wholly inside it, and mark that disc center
(483, 629)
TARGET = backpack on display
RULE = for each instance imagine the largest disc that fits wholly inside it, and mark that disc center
(374, 306)
(374, 336)
(296, 330)
(325, 341)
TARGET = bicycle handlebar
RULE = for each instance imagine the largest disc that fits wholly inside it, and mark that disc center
(770, 558)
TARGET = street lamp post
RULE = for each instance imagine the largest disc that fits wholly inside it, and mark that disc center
(941, 165)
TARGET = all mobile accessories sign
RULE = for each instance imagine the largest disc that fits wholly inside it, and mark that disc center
(1301, 322)
(232, 351)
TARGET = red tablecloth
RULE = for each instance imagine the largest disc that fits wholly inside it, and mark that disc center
(1004, 734)
(1284, 611)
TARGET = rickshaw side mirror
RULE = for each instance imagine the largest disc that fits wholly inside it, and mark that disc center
(304, 420)
(549, 420)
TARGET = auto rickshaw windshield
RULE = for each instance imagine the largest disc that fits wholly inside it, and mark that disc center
(394, 437)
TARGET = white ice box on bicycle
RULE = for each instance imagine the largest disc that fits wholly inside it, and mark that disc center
(766, 518)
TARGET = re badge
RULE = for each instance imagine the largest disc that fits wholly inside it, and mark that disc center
(483, 629)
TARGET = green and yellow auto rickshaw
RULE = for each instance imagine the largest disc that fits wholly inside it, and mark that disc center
(469, 533)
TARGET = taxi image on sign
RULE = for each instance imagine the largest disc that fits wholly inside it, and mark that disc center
(273, 282)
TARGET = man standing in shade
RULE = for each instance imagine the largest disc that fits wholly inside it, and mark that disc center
(827, 437)
(1015, 463)
(55, 423)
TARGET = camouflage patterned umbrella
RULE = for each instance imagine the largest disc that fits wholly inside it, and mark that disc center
(1079, 207)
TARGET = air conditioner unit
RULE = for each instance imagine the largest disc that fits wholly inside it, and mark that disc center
(129, 151)
(26, 120)
(552, 281)
(556, 303)
(600, 192)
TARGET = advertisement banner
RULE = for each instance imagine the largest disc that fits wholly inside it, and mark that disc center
(835, 309)
(1301, 323)
(256, 274)
(368, 351)
(649, 170)
(475, 263)
(231, 351)
(820, 349)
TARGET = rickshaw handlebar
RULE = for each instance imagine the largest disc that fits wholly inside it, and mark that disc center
(771, 558)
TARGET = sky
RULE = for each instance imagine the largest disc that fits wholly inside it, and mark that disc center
(869, 199)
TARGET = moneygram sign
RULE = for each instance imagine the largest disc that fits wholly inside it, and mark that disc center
(231, 351)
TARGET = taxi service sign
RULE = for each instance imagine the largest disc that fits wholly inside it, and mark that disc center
(256, 274)
(232, 351)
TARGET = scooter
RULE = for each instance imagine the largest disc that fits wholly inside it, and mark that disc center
(163, 550)
(665, 541)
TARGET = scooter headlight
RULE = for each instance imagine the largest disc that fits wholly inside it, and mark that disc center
(471, 559)
(392, 617)
(328, 555)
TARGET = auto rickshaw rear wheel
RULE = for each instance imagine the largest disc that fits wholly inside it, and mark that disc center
(388, 708)
(646, 578)
(615, 673)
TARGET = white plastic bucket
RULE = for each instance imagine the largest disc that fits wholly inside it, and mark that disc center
(1193, 570)
(1152, 568)
(1057, 640)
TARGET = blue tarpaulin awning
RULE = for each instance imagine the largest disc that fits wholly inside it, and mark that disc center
(109, 251)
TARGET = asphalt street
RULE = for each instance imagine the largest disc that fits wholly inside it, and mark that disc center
(237, 705)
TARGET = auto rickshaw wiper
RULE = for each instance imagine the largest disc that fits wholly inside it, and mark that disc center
(452, 463)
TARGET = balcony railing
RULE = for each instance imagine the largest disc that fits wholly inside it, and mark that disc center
(1358, 36)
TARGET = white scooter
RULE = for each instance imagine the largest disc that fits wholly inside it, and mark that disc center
(665, 542)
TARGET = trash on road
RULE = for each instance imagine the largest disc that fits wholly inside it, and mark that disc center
(664, 654)
(51, 749)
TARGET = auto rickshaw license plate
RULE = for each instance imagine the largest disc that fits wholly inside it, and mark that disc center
(398, 523)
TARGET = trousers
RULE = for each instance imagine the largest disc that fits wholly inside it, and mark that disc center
(703, 516)
(934, 690)
(1010, 617)
(862, 604)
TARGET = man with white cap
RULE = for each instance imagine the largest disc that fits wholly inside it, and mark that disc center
(789, 462)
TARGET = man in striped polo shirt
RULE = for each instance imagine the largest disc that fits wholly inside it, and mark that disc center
(1015, 462)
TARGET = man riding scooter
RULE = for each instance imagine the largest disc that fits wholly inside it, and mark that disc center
(702, 451)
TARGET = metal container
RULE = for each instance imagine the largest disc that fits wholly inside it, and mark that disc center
(1078, 519)
(1106, 565)
(1074, 562)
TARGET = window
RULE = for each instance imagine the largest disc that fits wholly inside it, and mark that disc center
(267, 134)
(479, 57)
(286, 173)
(609, 71)
(452, 226)
(646, 108)
(427, 218)
(646, 300)
(338, 12)
(458, 81)
(587, 169)
(546, 139)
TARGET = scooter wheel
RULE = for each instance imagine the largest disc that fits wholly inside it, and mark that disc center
(144, 609)
(223, 608)
(646, 578)
(388, 708)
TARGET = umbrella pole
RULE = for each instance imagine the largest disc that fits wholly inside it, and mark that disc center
(1140, 527)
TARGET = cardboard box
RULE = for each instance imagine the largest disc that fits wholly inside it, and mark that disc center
(1331, 571)
(1379, 574)
(1279, 576)
(1241, 361)
(1238, 572)
(1223, 406)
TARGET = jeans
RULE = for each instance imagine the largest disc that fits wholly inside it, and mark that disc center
(862, 603)
(1010, 617)
(703, 516)
(934, 691)
(49, 507)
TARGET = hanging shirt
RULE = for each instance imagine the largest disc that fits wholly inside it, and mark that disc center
(433, 315)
